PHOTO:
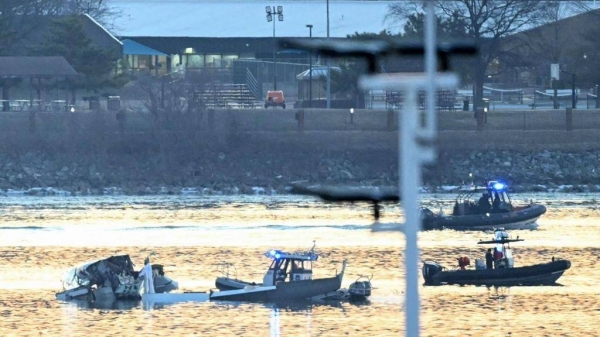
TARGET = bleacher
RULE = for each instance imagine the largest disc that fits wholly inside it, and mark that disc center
(445, 100)
(234, 96)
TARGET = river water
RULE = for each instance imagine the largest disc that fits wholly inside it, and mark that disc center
(42, 237)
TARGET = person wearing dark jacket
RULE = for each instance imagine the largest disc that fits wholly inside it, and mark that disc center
(489, 259)
(484, 203)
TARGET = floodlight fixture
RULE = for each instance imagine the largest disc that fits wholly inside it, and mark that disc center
(268, 9)
(269, 18)
(279, 9)
(280, 16)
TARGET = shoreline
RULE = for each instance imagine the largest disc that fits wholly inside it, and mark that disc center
(271, 173)
(257, 190)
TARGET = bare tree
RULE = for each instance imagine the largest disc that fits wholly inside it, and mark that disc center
(569, 37)
(99, 10)
(174, 100)
(486, 22)
(18, 18)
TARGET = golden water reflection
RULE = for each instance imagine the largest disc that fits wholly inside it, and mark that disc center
(42, 238)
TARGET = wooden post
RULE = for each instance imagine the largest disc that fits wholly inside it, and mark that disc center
(569, 119)
(390, 120)
(211, 119)
(479, 115)
(300, 119)
(32, 121)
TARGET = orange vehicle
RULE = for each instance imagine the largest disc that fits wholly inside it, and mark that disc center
(274, 98)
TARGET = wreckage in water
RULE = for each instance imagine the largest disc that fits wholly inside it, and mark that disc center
(106, 281)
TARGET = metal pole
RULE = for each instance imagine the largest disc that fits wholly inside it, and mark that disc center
(328, 65)
(573, 97)
(274, 53)
(310, 69)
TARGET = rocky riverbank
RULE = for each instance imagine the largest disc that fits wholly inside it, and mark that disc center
(221, 172)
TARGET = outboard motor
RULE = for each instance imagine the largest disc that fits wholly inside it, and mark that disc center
(360, 290)
(429, 270)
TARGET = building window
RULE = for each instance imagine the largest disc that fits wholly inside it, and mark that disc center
(175, 61)
(144, 62)
(195, 61)
(213, 61)
(161, 62)
(227, 61)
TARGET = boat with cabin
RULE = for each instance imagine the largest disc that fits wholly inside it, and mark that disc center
(498, 270)
(288, 278)
(493, 208)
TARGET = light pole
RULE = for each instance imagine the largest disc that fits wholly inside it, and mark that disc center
(272, 11)
(310, 69)
(597, 88)
(328, 65)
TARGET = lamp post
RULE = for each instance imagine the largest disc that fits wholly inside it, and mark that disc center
(328, 65)
(271, 12)
(310, 69)
(573, 95)
(597, 88)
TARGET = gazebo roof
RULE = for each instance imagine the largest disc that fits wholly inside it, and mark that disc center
(35, 66)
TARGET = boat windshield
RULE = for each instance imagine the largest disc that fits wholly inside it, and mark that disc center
(302, 266)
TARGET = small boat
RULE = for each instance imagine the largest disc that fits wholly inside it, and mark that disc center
(360, 289)
(493, 209)
(288, 278)
(104, 282)
(497, 270)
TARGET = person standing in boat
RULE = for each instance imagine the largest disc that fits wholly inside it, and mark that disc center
(496, 203)
(484, 203)
(489, 259)
(498, 256)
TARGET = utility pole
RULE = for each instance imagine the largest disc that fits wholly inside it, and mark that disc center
(310, 69)
(328, 65)
(273, 12)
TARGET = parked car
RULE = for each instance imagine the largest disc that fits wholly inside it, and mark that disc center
(274, 98)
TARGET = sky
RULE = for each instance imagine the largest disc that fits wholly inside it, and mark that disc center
(236, 18)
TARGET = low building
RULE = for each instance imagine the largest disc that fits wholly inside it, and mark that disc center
(241, 39)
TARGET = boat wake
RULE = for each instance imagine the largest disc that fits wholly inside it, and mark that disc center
(277, 227)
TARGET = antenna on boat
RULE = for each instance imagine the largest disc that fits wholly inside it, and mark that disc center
(147, 259)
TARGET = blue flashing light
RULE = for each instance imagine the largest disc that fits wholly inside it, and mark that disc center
(498, 186)
(273, 254)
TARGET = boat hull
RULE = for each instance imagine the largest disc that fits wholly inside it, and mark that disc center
(521, 218)
(539, 274)
(282, 291)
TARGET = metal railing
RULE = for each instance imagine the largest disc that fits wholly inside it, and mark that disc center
(252, 84)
